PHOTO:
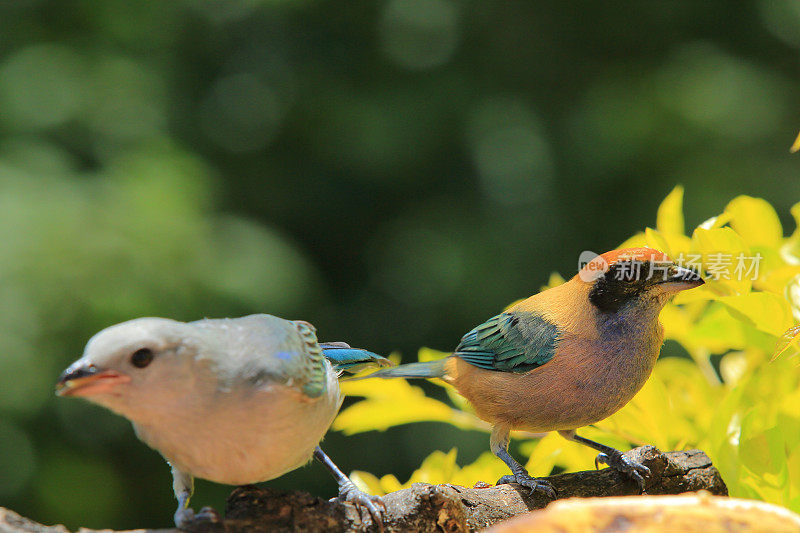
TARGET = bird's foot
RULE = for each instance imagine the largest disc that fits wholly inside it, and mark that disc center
(185, 516)
(374, 505)
(535, 484)
(620, 463)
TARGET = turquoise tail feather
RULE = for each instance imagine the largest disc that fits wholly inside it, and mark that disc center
(351, 360)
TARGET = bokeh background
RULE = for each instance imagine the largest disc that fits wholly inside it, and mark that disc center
(393, 172)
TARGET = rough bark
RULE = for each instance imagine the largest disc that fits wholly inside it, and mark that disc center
(438, 508)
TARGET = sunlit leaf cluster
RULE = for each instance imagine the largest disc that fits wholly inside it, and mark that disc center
(735, 394)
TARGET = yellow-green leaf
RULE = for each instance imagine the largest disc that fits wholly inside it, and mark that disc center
(367, 482)
(676, 323)
(755, 221)
(796, 146)
(555, 280)
(715, 222)
(512, 304)
(699, 294)
(761, 450)
(788, 343)
(733, 367)
(791, 250)
(553, 450)
(725, 258)
(778, 280)
(669, 218)
(766, 311)
(709, 241)
(656, 240)
(438, 467)
(389, 402)
(792, 293)
(716, 332)
(674, 245)
(637, 241)
(429, 354)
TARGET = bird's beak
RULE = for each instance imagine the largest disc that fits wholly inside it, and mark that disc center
(82, 379)
(682, 279)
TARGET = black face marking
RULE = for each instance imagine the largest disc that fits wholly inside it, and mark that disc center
(623, 282)
(142, 357)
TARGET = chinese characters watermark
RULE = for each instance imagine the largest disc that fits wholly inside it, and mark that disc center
(714, 266)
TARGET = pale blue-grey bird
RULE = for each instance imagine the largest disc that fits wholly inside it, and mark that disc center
(235, 401)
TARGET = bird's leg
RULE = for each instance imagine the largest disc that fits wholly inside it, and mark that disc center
(183, 486)
(348, 492)
(613, 458)
(498, 442)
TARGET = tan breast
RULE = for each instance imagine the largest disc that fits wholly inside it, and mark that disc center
(245, 440)
(592, 375)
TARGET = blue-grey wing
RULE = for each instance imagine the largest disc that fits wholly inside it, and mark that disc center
(262, 349)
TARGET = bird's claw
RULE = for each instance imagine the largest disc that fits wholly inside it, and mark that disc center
(620, 463)
(208, 514)
(348, 492)
(535, 484)
(185, 516)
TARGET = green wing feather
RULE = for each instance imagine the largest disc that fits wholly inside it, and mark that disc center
(510, 342)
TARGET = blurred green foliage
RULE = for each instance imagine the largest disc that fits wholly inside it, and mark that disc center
(393, 172)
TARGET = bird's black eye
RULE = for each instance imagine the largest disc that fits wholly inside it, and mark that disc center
(142, 357)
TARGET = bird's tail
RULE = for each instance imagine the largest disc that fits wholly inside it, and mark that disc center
(429, 369)
(351, 360)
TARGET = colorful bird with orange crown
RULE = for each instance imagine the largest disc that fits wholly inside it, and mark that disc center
(567, 357)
